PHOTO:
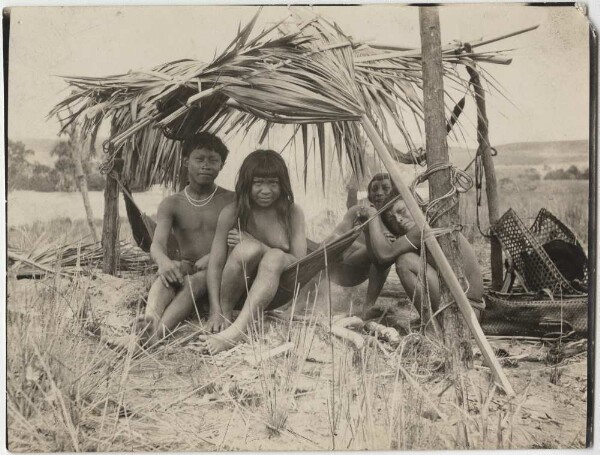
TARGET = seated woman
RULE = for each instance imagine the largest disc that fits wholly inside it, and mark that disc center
(358, 263)
(404, 253)
(265, 230)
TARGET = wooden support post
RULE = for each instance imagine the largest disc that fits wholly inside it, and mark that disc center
(455, 335)
(437, 153)
(491, 188)
(110, 224)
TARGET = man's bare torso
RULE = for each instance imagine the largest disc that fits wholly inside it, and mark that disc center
(194, 227)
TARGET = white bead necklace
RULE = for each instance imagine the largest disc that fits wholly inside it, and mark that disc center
(199, 202)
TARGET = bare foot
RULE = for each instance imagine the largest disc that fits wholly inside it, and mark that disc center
(125, 343)
(213, 344)
(218, 322)
(145, 328)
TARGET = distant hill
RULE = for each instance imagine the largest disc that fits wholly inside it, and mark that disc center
(536, 153)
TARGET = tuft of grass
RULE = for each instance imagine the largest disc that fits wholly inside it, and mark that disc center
(62, 384)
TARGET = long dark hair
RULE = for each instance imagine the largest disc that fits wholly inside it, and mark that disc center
(263, 164)
(378, 177)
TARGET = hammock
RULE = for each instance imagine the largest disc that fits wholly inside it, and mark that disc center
(295, 275)
(142, 226)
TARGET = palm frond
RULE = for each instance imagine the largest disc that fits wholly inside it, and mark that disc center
(302, 70)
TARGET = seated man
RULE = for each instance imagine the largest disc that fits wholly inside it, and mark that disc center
(404, 252)
(192, 216)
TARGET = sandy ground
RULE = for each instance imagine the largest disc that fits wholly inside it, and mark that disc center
(175, 399)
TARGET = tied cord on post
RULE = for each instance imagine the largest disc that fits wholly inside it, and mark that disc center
(460, 182)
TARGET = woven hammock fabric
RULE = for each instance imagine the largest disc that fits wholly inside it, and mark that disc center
(297, 274)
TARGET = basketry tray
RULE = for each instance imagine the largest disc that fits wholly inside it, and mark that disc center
(530, 261)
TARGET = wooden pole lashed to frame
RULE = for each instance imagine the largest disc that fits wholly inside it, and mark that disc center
(491, 188)
(455, 335)
(443, 266)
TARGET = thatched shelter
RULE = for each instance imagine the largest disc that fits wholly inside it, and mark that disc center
(301, 71)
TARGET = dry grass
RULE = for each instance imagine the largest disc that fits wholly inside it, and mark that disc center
(567, 199)
(68, 392)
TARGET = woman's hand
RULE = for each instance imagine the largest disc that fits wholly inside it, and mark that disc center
(234, 237)
(364, 213)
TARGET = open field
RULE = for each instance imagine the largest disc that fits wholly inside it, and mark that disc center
(68, 392)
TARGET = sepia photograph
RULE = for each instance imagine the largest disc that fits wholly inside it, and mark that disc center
(300, 228)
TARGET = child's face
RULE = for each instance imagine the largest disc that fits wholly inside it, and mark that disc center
(265, 190)
(379, 191)
(398, 218)
(204, 166)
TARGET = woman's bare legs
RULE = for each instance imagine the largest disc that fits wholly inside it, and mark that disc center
(264, 288)
(240, 266)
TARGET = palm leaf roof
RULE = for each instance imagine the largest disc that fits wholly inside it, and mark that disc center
(303, 70)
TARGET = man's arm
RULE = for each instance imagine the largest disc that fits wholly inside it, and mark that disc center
(167, 269)
(384, 251)
(218, 257)
(345, 225)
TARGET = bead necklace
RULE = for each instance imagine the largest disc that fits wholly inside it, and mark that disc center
(199, 202)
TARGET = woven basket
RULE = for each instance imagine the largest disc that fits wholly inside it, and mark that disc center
(530, 261)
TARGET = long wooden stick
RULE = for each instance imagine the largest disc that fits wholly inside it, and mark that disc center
(491, 188)
(442, 264)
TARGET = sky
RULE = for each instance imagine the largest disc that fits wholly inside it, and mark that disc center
(546, 84)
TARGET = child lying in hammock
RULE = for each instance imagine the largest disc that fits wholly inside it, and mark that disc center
(266, 232)
(404, 253)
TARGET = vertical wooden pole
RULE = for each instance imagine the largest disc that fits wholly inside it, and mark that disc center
(110, 224)
(456, 336)
(491, 188)
(437, 153)
(76, 146)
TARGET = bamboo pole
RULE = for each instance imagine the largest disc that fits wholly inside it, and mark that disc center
(491, 187)
(443, 267)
